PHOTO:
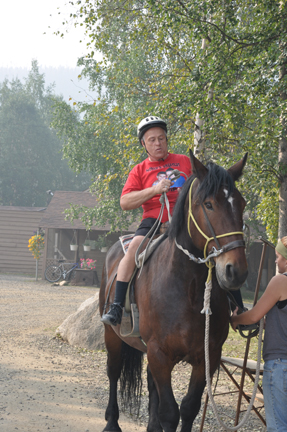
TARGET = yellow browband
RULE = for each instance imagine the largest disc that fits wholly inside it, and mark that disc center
(208, 239)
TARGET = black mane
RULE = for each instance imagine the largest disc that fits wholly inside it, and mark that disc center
(216, 178)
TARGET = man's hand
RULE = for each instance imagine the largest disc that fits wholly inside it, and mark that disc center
(163, 186)
(135, 199)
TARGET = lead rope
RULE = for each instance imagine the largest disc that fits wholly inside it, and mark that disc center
(207, 311)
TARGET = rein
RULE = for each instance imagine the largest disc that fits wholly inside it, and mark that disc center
(150, 235)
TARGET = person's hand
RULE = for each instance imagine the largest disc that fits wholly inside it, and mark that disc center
(163, 186)
(234, 314)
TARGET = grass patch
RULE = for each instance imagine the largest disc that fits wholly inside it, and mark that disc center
(248, 296)
(235, 345)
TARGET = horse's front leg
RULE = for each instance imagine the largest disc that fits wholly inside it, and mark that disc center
(161, 367)
(190, 405)
(114, 364)
(153, 423)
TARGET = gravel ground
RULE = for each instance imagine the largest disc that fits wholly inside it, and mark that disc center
(46, 384)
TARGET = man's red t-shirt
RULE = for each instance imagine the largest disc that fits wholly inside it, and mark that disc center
(147, 173)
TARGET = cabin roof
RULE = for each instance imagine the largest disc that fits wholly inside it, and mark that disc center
(54, 216)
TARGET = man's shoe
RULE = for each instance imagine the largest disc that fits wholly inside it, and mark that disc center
(114, 315)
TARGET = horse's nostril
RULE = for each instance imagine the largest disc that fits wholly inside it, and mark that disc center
(233, 276)
(230, 272)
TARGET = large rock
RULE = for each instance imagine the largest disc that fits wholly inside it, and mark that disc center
(84, 328)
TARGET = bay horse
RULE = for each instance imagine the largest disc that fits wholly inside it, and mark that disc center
(170, 293)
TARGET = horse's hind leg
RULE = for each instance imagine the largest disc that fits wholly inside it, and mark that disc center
(114, 365)
(153, 424)
(190, 405)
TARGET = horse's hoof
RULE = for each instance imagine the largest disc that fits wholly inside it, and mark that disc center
(112, 429)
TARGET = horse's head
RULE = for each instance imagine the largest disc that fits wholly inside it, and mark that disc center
(212, 214)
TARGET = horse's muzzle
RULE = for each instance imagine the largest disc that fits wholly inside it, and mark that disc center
(230, 276)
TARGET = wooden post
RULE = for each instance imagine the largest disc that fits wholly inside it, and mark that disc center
(265, 243)
(37, 269)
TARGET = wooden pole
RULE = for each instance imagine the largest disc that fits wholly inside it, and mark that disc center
(265, 244)
(37, 269)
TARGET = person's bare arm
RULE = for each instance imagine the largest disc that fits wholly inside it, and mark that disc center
(135, 199)
(275, 291)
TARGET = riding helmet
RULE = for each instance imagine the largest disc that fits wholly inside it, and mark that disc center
(149, 122)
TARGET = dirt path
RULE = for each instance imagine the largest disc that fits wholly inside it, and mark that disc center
(45, 384)
(48, 385)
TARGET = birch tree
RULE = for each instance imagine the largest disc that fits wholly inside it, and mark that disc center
(154, 61)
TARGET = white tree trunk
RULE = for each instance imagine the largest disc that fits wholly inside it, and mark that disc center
(282, 151)
(199, 139)
(282, 228)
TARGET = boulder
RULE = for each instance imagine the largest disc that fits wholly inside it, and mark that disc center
(84, 328)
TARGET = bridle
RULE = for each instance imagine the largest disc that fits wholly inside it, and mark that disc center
(214, 252)
(207, 296)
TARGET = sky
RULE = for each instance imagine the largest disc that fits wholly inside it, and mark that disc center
(26, 33)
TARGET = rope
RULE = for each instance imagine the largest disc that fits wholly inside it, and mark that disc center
(164, 201)
(213, 254)
(154, 227)
(207, 311)
(207, 292)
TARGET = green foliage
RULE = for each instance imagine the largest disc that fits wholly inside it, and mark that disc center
(30, 152)
(224, 60)
(102, 242)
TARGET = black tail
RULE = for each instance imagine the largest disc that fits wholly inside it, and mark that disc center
(131, 379)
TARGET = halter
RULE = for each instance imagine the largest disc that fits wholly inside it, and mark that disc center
(214, 252)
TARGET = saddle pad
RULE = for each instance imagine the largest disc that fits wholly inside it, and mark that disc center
(125, 241)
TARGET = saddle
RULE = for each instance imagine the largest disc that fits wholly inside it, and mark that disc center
(130, 317)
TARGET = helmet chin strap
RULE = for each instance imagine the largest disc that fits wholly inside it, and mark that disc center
(146, 149)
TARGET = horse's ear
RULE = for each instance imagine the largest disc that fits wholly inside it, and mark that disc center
(236, 170)
(198, 168)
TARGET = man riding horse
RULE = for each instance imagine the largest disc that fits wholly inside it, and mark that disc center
(143, 190)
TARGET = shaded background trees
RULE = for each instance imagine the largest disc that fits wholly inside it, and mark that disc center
(30, 152)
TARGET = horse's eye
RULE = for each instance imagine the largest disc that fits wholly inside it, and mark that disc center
(208, 205)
